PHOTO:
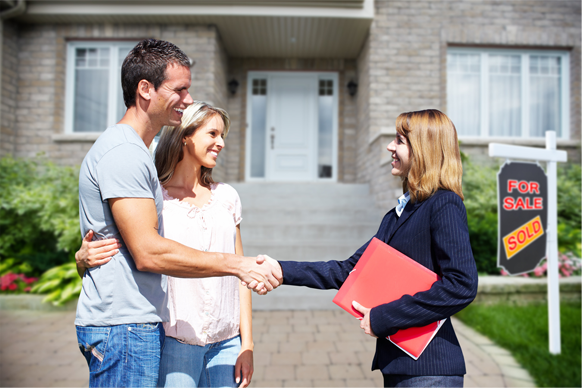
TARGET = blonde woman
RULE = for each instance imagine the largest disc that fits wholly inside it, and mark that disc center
(429, 225)
(209, 336)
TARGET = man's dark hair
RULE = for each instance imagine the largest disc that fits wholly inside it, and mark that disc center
(148, 60)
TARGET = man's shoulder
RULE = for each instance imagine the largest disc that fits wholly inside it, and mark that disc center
(117, 139)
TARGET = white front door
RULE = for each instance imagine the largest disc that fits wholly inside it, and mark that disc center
(292, 126)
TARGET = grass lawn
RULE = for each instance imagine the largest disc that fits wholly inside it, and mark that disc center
(523, 330)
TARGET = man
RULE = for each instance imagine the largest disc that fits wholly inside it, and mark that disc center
(123, 303)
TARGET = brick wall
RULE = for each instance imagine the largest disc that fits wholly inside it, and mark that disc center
(40, 80)
(403, 64)
(9, 88)
(239, 68)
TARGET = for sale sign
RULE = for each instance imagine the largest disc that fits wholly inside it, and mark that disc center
(523, 195)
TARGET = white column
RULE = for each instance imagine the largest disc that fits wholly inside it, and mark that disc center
(552, 251)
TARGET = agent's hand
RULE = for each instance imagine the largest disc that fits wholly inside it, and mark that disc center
(365, 320)
(95, 253)
(273, 278)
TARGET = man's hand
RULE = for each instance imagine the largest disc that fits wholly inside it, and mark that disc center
(95, 253)
(270, 269)
(365, 320)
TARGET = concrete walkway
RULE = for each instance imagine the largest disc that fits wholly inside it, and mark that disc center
(300, 348)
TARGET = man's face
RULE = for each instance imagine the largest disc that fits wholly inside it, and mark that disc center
(171, 98)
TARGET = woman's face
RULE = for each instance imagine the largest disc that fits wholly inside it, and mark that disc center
(400, 150)
(204, 145)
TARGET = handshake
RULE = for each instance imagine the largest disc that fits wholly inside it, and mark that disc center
(262, 275)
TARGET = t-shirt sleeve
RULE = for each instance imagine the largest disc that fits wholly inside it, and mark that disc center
(125, 172)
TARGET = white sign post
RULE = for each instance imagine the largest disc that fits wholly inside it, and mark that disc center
(551, 156)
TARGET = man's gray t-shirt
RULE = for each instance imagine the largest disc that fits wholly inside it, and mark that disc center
(118, 165)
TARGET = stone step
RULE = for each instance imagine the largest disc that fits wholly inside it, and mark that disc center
(252, 232)
(298, 188)
(298, 215)
(304, 251)
(328, 202)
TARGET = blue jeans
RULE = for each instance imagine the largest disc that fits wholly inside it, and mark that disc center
(122, 355)
(186, 365)
(422, 381)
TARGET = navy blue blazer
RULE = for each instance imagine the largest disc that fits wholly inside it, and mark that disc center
(435, 234)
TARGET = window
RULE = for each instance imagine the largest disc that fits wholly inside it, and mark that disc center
(508, 93)
(94, 98)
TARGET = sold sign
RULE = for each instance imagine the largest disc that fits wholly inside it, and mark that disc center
(522, 237)
(522, 191)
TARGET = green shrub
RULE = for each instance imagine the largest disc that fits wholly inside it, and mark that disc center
(569, 182)
(480, 191)
(61, 283)
(39, 215)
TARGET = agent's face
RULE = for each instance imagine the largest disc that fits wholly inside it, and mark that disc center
(400, 150)
(172, 97)
(204, 145)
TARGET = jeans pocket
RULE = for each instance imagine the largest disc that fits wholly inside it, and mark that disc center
(147, 326)
(93, 345)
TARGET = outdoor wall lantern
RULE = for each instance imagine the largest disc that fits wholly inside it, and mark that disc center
(352, 88)
(232, 86)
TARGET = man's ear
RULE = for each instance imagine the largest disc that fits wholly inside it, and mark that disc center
(144, 88)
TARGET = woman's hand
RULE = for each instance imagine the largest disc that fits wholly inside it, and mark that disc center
(365, 320)
(95, 253)
(244, 367)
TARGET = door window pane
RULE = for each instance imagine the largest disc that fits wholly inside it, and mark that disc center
(258, 127)
(325, 129)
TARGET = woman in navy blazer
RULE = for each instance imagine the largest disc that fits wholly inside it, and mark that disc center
(430, 228)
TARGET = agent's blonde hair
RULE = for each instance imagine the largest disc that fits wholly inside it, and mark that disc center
(435, 158)
(170, 152)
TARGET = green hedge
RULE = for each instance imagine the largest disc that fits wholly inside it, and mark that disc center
(39, 214)
(39, 224)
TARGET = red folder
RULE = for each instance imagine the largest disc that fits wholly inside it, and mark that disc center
(383, 275)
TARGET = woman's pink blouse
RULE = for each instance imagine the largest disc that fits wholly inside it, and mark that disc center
(205, 310)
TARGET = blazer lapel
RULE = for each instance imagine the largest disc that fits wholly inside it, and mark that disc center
(408, 210)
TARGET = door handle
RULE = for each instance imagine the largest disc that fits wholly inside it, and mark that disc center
(272, 141)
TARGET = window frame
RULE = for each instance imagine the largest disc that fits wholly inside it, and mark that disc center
(114, 80)
(525, 55)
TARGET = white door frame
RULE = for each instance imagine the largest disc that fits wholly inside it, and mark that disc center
(270, 74)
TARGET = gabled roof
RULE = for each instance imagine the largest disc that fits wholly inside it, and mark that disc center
(248, 28)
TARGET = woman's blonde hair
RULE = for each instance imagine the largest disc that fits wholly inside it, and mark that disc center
(435, 159)
(170, 152)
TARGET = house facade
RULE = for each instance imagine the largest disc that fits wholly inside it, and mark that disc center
(313, 88)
